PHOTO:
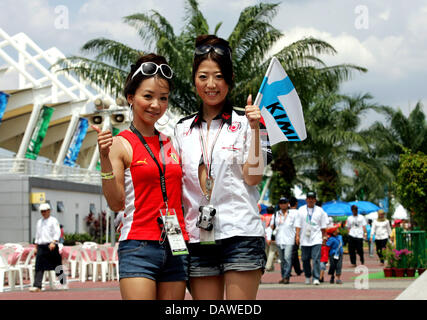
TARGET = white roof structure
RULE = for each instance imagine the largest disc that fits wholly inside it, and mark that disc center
(27, 76)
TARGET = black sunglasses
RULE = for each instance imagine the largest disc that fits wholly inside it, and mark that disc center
(217, 48)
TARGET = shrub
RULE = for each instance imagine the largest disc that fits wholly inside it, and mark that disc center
(72, 238)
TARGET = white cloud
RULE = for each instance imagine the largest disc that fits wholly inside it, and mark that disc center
(385, 15)
(393, 48)
(349, 48)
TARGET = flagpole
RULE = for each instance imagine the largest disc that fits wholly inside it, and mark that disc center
(258, 96)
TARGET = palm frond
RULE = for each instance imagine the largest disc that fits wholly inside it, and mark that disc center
(153, 29)
(196, 23)
(109, 78)
(112, 51)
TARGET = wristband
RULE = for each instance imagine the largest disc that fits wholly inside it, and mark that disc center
(107, 175)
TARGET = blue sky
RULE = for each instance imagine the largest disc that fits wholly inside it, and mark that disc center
(387, 37)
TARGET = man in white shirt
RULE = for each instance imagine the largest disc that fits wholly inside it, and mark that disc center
(48, 257)
(310, 234)
(285, 237)
(270, 234)
(357, 232)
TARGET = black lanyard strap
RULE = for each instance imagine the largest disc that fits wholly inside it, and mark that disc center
(162, 173)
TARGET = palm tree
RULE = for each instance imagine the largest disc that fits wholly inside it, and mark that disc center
(335, 144)
(251, 40)
(401, 133)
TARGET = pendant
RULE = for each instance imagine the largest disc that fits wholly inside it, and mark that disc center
(209, 187)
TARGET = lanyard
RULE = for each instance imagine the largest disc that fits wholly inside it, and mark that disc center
(161, 172)
(308, 215)
(208, 159)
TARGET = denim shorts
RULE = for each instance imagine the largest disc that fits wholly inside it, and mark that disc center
(232, 254)
(152, 260)
(323, 265)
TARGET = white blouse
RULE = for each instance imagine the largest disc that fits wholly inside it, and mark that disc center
(235, 201)
(381, 229)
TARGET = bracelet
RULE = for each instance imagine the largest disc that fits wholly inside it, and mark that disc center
(107, 175)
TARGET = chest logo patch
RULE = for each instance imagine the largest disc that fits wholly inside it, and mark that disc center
(234, 126)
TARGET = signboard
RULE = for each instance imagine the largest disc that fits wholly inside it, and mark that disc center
(38, 197)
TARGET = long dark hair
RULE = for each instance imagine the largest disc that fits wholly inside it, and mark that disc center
(224, 62)
(132, 84)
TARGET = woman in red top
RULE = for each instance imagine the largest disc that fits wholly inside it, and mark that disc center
(141, 174)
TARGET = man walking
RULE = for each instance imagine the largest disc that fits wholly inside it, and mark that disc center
(357, 232)
(293, 208)
(285, 237)
(48, 257)
(311, 233)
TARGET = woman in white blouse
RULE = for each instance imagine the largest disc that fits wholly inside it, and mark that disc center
(381, 230)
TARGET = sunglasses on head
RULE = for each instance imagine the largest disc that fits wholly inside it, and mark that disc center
(151, 68)
(217, 48)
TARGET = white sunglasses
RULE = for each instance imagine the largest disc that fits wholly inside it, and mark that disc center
(151, 68)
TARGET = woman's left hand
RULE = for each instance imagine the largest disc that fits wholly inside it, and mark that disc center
(253, 114)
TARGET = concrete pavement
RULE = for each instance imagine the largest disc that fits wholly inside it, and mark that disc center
(355, 287)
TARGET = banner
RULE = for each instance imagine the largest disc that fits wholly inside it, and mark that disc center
(76, 142)
(3, 103)
(280, 106)
(39, 133)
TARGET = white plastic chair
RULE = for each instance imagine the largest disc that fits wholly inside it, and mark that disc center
(89, 244)
(5, 268)
(27, 265)
(6, 255)
(16, 246)
(102, 260)
(53, 282)
(93, 260)
(113, 264)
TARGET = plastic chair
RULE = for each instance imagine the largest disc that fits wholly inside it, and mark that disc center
(7, 265)
(93, 260)
(27, 264)
(74, 260)
(113, 265)
(89, 244)
(5, 268)
(102, 260)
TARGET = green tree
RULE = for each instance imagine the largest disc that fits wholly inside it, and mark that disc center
(400, 133)
(335, 143)
(411, 185)
(251, 40)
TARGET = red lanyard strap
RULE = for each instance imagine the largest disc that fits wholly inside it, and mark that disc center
(208, 159)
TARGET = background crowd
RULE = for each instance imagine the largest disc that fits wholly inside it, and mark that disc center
(308, 233)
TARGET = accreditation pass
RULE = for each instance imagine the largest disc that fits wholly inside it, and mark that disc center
(174, 232)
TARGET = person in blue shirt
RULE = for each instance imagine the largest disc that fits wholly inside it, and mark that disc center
(336, 251)
(370, 241)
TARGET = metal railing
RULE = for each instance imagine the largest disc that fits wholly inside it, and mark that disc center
(414, 241)
(28, 167)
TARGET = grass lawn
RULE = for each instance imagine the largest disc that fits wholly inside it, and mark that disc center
(380, 275)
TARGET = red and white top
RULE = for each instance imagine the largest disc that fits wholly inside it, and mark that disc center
(144, 197)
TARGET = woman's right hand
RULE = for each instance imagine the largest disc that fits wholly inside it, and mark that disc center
(105, 141)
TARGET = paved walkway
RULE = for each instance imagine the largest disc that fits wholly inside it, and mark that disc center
(354, 287)
(380, 289)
